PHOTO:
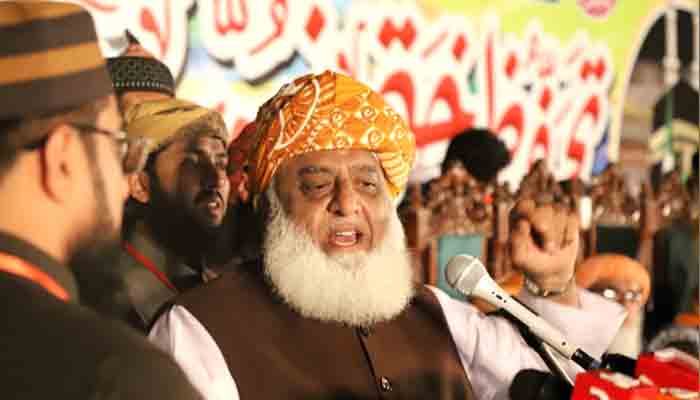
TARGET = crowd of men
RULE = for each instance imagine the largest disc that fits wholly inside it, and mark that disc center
(291, 280)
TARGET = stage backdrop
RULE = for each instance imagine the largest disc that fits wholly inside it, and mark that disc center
(549, 77)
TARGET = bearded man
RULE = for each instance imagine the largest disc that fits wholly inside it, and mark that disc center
(62, 192)
(176, 209)
(331, 309)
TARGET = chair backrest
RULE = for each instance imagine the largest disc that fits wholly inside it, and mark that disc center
(616, 215)
(449, 246)
(452, 216)
(540, 185)
(617, 239)
(622, 223)
(613, 204)
(499, 262)
(674, 199)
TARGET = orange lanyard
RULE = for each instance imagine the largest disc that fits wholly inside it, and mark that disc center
(16, 266)
(148, 264)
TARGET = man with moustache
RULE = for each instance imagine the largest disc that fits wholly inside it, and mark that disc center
(62, 189)
(330, 310)
(177, 206)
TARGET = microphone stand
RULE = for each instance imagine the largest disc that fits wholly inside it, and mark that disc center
(537, 344)
(553, 363)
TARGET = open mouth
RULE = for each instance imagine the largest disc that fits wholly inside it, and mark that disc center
(345, 237)
(212, 201)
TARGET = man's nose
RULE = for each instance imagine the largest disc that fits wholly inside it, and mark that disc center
(214, 177)
(346, 200)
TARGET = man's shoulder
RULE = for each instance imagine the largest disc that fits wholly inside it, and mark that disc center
(426, 300)
(102, 355)
(227, 286)
(29, 306)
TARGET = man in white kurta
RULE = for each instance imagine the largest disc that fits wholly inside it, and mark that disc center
(330, 158)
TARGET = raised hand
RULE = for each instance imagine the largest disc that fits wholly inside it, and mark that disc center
(544, 244)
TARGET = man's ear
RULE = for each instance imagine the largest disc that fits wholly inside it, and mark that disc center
(243, 188)
(140, 187)
(60, 163)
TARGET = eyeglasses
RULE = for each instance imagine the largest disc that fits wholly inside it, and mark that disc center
(131, 151)
(627, 296)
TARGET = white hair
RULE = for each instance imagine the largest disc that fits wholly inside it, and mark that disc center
(358, 289)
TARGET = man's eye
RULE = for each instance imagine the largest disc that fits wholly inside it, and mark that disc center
(222, 162)
(368, 186)
(192, 159)
(315, 188)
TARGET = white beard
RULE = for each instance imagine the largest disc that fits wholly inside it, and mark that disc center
(357, 289)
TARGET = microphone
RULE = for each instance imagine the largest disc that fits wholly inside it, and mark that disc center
(468, 275)
(619, 363)
(531, 384)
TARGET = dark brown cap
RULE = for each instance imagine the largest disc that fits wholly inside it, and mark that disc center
(141, 74)
(49, 59)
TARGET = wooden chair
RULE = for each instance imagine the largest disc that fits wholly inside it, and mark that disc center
(622, 223)
(675, 250)
(673, 198)
(540, 185)
(499, 263)
(453, 217)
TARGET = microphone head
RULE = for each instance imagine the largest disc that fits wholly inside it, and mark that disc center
(464, 272)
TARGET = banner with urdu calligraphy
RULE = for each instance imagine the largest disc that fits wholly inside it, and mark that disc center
(547, 76)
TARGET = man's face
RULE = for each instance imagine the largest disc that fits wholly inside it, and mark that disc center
(627, 293)
(108, 175)
(353, 287)
(339, 197)
(97, 241)
(191, 172)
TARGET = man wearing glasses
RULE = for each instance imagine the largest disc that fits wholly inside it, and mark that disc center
(625, 281)
(62, 188)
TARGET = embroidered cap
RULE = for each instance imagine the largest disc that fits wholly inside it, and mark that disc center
(164, 121)
(130, 73)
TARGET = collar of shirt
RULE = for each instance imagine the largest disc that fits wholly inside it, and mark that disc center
(180, 274)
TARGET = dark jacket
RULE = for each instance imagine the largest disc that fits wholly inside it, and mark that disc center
(56, 349)
(134, 294)
(273, 352)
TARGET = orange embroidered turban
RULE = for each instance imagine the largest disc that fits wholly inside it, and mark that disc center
(238, 152)
(330, 111)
